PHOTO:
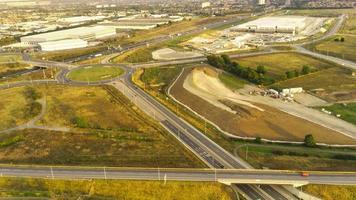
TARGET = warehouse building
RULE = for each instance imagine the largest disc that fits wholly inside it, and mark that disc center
(63, 44)
(83, 33)
(282, 24)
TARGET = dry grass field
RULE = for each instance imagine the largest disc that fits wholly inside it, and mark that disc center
(333, 84)
(112, 189)
(332, 192)
(12, 106)
(270, 124)
(106, 129)
(277, 64)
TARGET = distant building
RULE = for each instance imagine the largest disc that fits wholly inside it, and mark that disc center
(63, 45)
(205, 5)
(261, 2)
(84, 33)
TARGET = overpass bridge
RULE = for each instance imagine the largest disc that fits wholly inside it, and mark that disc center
(226, 176)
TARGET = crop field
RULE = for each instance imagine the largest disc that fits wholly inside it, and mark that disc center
(331, 192)
(234, 146)
(95, 73)
(333, 84)
(347, 111)
(112, 189)
(277, 64)
(105, 129)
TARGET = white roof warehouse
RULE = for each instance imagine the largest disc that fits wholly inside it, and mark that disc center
(83, 33)
(63, 44)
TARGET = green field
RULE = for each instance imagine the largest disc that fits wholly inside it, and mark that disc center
(320, 12)
(331, 192)
(231, 81)
(277, 64)
(347, 111)
(95, 73)
(112, 189)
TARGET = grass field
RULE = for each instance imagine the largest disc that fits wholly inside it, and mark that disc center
(331, 192)
(231, 81)
(333, 84)
(15, 108)
(273, 161)
(277, 64)
(105, 130)
(11, 68)
(345, 50)
(110, 189)
(347, 111)
(10, 57)
(140, 55)
(67, 54)
(320, 12)
(95, 73)
(38, 75)
(297, 157)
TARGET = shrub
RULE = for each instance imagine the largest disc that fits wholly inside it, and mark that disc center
(309, 141)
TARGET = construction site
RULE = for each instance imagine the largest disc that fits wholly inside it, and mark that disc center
(259, 32)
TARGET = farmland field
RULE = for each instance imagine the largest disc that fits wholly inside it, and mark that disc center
(112, 189)
(95, 73)
(105, 129)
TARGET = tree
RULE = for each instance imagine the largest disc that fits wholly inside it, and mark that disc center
(261, 69)
(342, 39)
(309, 141)
(226, 59)
(258, 140)
(305, 70)
(296, 73)
(289, 74)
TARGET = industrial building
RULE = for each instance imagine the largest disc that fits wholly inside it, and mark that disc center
(63, 44)
(282, 24)
(83, 33)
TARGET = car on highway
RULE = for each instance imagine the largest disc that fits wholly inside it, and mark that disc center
(304, 174)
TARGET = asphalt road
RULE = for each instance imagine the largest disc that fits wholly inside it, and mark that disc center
(210, 175)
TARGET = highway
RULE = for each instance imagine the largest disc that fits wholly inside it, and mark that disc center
(260, 177)
(210, 152)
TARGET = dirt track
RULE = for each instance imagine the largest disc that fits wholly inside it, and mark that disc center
(244, 120)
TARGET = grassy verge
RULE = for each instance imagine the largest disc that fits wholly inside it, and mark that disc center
(259, 160)
(95, 73)
(105, 129)
(231, 81)
(346, 111)
(37, 75)
(12, 68)
(331, 192)
(112, 189)
(10, 57)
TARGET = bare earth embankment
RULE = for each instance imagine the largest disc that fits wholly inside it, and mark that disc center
(238, 114)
